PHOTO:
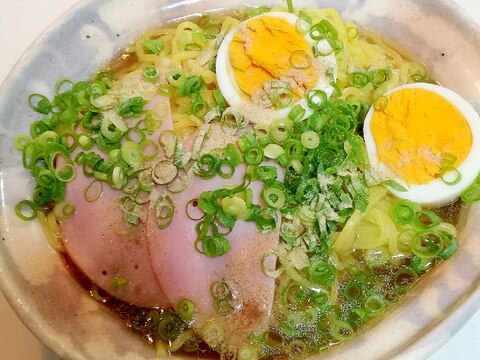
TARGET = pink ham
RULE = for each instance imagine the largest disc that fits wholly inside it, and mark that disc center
(183, 272)
(95, 239)
(162, 267)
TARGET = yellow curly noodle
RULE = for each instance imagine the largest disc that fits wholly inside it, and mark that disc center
(367, 52)
(188, 49)
(377, 234)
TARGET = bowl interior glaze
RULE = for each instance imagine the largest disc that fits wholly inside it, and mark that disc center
(66, 319)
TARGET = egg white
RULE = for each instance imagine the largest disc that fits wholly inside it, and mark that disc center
(436, 192)
(238, 99)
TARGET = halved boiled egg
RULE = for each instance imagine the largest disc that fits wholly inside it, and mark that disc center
(426, 138)
(266, 64)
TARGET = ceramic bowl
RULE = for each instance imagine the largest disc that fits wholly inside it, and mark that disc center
(67, 320)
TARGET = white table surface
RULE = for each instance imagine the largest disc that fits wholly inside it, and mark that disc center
(21, 22)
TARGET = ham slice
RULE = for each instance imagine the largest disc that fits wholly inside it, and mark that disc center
(111, 254)
(183, 272)
(151, 267)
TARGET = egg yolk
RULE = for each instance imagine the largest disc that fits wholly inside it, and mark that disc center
(416, 130)
(270, 48)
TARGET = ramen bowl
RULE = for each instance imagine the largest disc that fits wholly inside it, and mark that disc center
(66, 319)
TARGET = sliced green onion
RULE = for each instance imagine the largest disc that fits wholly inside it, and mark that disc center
(118, 178)
(233, 119)
(404, 278)
(254, 156)
(375, 305)
(274, 197)
(192, 84)
(224, 307)
(310, 139)
(93, 191)
(68, 139)
(450, 175)
(169, 327)
(341, 330)
(290, 232)
(207, 166)
(40, 103)
(450, 249)
(164, 210)
(232, 155)
(303, 26)
(353, 290)
(297, 113)
(198, 104)
(168, 139)
(266, 220)
(164, 172)
(404, 212)
(149, 148)
(150, 73)
(127, 203)
(110, 131)
(323, 30)
(316, 98)
(37, 128)
(220, 290)
(379, 76)
(381, 103)
(219, 99)
(394, 185)
(418, 77)
(269, 264)
(21, 141)
(153, 46)
(267, 173)
(166, 90)
(359, 78)
(280, 130)
(185, 309)
(427, 243)
(47, 137)
(176, 78)
(273, 151)
(46, 179)
(427, 219)
(299, 59)
(449, 159)
(26, 210)
(63, 85)
(192, 206)
(131, 107)
(216, 245)
(131, 154)
(65, 172)
(226, 220)
(421, 264)
(281, 97)
(235, 205)
(471, 194)
(290, 6)
(104, 102)
(322, 48)
(321, 273)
